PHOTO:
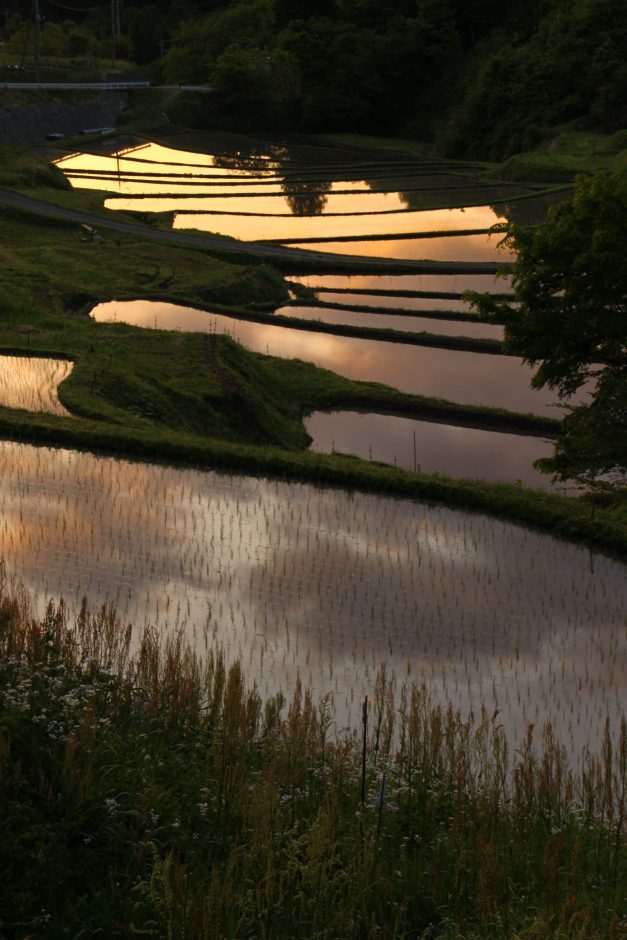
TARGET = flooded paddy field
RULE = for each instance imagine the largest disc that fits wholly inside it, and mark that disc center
(479, 248)
(320, 583)
(293, 193)
(32, 383)
(471, 378)
(342, 202)
(392, 321)
(298, 580)
(449, 287)
(432, 447)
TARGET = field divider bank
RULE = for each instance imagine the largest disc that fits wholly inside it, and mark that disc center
(285, 259)
(562, 516)
(435, 340)
(455, 315)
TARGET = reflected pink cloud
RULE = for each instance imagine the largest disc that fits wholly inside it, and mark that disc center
(468, 453)
(384, 321)
(300, 580)
(471, 378)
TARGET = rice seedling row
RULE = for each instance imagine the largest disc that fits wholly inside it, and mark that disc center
(32, 382)
(296, 581)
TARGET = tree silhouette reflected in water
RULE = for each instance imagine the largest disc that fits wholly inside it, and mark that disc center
(306, 197)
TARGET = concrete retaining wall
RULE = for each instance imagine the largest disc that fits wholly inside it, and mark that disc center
(30, 125)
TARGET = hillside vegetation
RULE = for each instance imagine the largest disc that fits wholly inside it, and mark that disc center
(159, 796)
(481, 78)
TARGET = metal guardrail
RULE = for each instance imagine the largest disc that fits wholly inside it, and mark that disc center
(95, 86)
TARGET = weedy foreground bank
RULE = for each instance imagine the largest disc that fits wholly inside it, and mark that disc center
(145, 792)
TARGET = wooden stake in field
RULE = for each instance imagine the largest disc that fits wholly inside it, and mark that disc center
(364, 719)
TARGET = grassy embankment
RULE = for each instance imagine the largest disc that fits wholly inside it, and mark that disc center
(565, 155)
(202, 399)
(152, 795)
(562, 156)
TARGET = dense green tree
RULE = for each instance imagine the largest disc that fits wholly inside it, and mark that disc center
(248, 24)
(147, 28)
(253, 84)
(570, 281)
(82, 42)
(288, 10)
(572, 67)
(339, 86)
(54, 40)
(187, 59)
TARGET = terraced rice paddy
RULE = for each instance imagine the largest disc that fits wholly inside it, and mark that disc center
(281, 196)
(431, 447)
(346, 201)
(328, 585)
(391, 321)
(415, 291)
(472, 378)
(322, 584)
(32, 383)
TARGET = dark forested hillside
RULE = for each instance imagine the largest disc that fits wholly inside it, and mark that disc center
(482, 78)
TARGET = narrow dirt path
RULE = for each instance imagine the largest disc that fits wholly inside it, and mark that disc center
(283, 258)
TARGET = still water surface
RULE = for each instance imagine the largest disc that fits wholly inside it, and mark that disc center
(281, 197)
(32, 383)
(454, 284)
(468, 453)
(299, 580)
(387, 321)
(472, 378)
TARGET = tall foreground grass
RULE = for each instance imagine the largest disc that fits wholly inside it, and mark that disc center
(146, 793)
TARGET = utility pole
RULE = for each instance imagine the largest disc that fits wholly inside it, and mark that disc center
(25, 46)
(37, 37)
(115, 15)
(116, 29)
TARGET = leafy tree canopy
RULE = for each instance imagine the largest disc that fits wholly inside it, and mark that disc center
(570, 281)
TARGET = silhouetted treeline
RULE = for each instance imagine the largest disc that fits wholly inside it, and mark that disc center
(482, 77)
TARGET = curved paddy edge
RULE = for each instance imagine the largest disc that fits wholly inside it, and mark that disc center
(573, 519)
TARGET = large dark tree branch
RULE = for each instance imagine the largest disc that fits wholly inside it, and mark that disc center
(569, 318)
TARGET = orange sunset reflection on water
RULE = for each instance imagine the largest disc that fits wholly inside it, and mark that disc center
(207, 193)
(387, 321)
(472, 378)
(32, 383)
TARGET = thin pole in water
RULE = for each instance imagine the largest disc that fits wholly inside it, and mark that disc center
(364, 718)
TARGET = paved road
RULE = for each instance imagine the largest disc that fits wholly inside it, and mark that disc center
(282, 257)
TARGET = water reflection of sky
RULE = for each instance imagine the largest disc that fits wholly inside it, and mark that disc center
(458, 247)
(267, 198)
(448, 283)
(299, 580)
(466, 248)
(246, 199)
(468, 453)
(387, 321)
(32, 383)
(473, 378)
(403, 303)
